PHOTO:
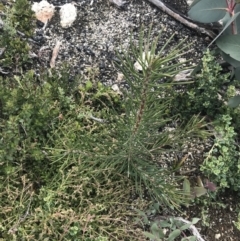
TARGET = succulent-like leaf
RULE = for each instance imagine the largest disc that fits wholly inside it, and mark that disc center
(174, 234)
(237, 73)
(186, 186)
(185, 226)
(199, 191)
(206, 11)
(230, 60)
(192, 238)
(157, 231)
(226, 22)
(234, 101)
(195, 220)
(230, 44)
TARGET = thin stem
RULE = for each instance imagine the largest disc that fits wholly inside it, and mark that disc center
(231, 4)
(143, 102)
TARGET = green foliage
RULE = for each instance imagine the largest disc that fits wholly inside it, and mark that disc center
(48, 193)
(18, 18)
(228, 40)
(23, 17)
(165, 228)
(72, 153)
(237, 223)
(208, 95)
(203, 95)
(222, 163)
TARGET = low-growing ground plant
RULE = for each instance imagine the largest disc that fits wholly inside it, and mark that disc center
(222, 161)
(72, 153)
(164, 228)
(226, 12)
(18, 26)
(208, 96)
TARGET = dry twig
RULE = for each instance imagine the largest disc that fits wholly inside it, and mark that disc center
(55, 54)
(182, 20)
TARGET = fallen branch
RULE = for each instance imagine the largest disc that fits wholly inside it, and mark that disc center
(182, 20)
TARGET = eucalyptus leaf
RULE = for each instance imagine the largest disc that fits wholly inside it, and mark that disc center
(237, 73)
(195, 220)
(174, 234)
(186, 186)
(230, 44)
(234, 101)
(235, 63)
(149, 235)
(228, 20)
(157, 231)
(192, 238)
(185, 226)
(199, 191)
(206, 11)
(165, 224)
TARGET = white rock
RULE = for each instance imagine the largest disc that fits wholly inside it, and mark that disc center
(43, 10)
(217, 236)
(145, 59)
(189, 2)
(119, 3)
(68, 14)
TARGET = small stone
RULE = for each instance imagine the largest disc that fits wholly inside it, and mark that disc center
(217, 236)
(68, 15)
(43, 10)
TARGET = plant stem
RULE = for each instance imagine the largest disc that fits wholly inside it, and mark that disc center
(143, 103)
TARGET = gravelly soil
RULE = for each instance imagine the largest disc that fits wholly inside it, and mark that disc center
(99, 31)
(102, 28)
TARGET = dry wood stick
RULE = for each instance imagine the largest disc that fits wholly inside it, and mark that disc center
(182, 20)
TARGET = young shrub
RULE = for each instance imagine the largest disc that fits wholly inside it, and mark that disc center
(71, 153)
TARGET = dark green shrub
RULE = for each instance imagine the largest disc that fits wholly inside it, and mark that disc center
(19, 20)
(204, 95)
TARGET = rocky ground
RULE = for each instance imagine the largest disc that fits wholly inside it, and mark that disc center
(89, 47)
